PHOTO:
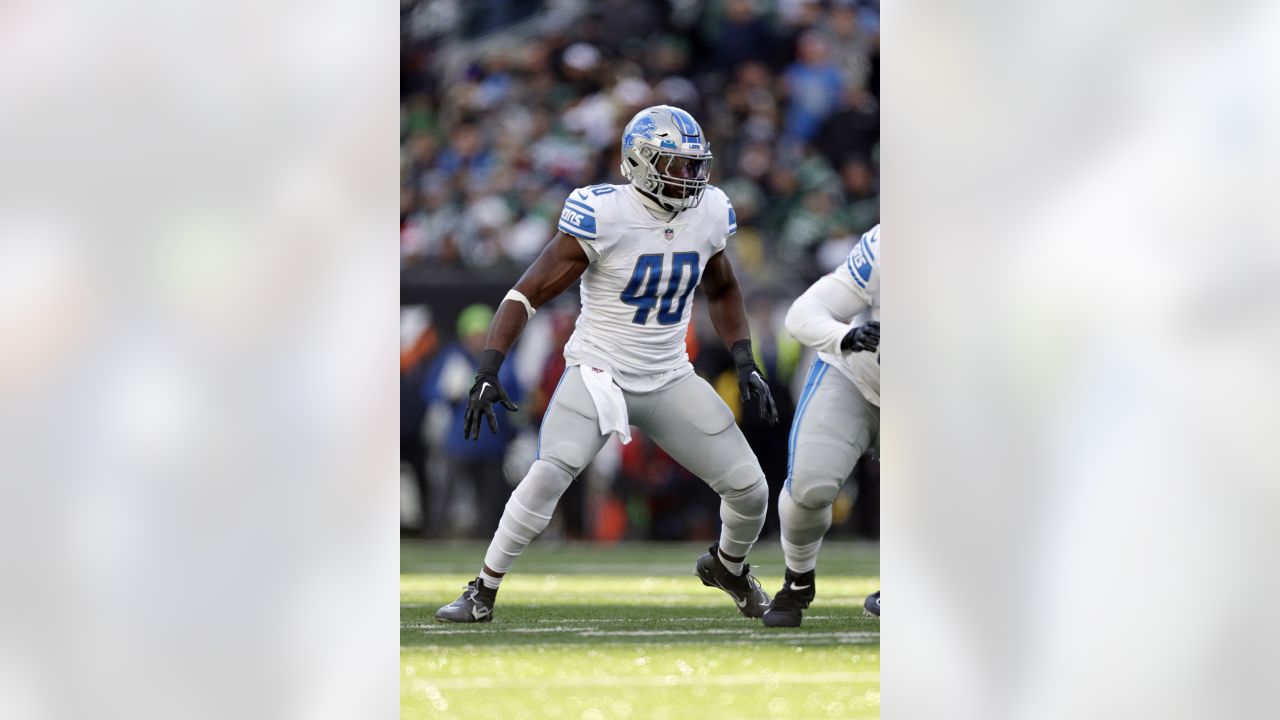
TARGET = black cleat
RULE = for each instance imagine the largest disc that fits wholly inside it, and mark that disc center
(745, 590)
(475, 605)
(872, 603)
(791, 601)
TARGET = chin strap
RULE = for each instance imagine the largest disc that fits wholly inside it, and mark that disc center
(655, 206)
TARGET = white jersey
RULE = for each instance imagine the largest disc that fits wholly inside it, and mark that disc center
(844, 298)
(637, 292)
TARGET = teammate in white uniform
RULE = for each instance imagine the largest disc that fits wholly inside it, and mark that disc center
(640, 250)
(837, 418)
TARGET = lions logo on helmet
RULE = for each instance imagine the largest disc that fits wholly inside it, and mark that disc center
(642, 126)
(666, 157)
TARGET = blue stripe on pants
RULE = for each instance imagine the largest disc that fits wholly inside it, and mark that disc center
(538, 454)
(811, 383)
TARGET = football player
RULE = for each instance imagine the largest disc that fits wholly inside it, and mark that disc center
(640, 250)
(837, 418)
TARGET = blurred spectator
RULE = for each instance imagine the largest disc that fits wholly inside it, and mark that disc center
(850, 43)
(624, 20)
(493, 141)
(740, 36)
(473, 464)
(862, 196)
(465, 159)
(663, 500)
(813, 83)
(852, 131)
(418, 343)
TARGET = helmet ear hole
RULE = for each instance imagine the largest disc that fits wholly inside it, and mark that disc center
(633, 162)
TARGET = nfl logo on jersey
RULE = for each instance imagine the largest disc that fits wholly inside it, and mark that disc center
(668, 234)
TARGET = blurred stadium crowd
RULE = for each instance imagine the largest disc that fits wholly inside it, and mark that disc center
(507, 105)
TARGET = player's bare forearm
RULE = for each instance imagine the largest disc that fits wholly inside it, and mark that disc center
(508, 323)
(561, 262)
(724, 301)
(729, 316)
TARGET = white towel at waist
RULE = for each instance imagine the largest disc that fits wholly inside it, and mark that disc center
(611, 406)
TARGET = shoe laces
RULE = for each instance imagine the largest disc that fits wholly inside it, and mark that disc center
(470, 590)
(473, 590)
(748, 581)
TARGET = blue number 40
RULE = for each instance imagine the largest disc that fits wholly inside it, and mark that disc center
(642, 290)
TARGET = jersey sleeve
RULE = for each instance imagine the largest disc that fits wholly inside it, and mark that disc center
(820, 317)
(583, 217)
(862, 267)
(578, 217)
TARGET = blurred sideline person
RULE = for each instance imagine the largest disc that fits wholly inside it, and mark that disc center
(477, 465)
(837, 419)
(640, 249)
(418, 343)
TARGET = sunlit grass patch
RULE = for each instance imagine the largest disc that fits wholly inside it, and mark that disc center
(629, 632)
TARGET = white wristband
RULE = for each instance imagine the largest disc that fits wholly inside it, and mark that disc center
(519, 297)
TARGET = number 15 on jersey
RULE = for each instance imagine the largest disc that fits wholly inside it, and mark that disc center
(642, 290)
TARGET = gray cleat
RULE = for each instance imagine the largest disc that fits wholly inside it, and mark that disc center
(872, 603)
(475, 605)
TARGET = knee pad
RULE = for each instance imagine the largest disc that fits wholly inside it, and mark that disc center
(752, 499)
(814, 492)
(818, 473)
(542, 486)
(566, 454)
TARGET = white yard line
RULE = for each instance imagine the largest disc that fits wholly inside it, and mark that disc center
(431, 687)
(589, 624)
(761, 634)
(638, 621)
(632, 621)
(753, 634)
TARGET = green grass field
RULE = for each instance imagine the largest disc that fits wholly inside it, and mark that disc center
(594, 633)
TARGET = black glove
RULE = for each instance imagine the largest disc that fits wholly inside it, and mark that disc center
(864, 337)
(751, 383)
(484, 393)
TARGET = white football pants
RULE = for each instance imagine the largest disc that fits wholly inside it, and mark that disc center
(687, 419)
(834, 425)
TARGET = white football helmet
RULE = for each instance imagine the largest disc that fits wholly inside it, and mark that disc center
(666, 156)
